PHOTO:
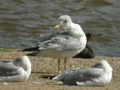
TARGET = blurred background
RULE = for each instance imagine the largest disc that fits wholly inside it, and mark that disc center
(23, 21)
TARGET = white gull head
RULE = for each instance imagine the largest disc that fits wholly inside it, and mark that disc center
(65, 23)
(104, 65)
(24, 62)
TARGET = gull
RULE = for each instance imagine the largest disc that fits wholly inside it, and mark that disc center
(88, 51)
(98, 74)
(17, 70)
(62, 45)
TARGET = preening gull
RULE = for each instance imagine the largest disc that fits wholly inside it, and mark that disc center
(88, 51)
(98, 74)
(64, 45)
(17, 70)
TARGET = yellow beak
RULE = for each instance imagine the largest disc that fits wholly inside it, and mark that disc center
(57, 27)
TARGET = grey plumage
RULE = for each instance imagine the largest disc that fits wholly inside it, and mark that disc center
(98, 74)
(8, 68)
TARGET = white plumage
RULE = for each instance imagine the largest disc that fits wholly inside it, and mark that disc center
(18, 70)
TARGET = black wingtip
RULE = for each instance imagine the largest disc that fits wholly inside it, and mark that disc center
(30, 49)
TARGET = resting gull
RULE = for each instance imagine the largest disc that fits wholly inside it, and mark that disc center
(98, 74)
(18, 70)
(64, 45)
(88, 51)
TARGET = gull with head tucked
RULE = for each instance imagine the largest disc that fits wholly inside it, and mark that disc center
(60, 45)
(18, 70)
(98, 74)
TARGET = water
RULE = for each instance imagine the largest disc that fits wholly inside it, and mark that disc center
(22, 21)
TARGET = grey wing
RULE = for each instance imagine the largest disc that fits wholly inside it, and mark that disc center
(48, 36)
(51, 40)
(70, 77)
(60, 42)
(88, 74)
(8, 69)
(82, 74)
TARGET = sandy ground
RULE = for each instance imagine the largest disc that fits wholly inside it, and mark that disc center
(42, 66)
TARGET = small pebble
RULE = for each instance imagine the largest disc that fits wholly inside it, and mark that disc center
(5, 83)
(35, 82)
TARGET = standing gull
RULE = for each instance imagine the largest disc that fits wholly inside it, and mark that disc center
(18, 70)
(62, 45)
(98, 74)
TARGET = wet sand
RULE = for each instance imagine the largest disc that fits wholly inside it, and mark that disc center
(47, 66)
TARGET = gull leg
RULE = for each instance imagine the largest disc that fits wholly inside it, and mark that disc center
(65, 63)
(58, 65)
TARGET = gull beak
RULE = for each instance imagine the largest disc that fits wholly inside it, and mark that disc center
(91, 38)
(57, 27)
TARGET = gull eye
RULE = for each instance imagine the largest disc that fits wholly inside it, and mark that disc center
(65, 21)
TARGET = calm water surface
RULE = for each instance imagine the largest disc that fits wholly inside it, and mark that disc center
(23, 21)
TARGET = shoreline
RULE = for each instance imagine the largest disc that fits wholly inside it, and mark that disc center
(41, 65)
